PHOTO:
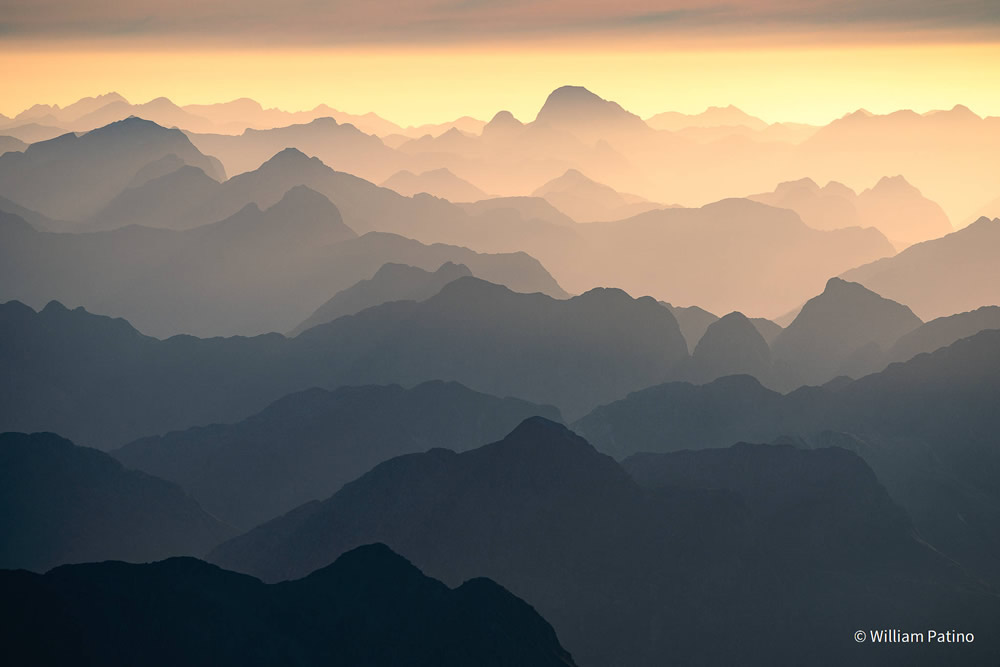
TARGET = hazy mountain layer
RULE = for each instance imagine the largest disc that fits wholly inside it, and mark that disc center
(630, 576)
(60, 503)
(72, 177)
(307, 445)
(949, 275)
(927, 426)
(99, 381)
(392, 282)
(254, 272)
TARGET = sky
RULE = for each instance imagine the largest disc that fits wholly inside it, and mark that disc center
(430, 60)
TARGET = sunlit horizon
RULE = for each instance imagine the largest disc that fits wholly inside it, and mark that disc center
(424, 84)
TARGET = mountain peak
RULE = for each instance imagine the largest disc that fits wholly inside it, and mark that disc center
(367, 562)
(893, 184)
(290, 158)
(577, 107)
(303, 207)
(540, 427)
(503, 119)
(806, 183)
(731, 345)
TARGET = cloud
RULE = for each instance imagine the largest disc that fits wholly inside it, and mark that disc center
(333, 22)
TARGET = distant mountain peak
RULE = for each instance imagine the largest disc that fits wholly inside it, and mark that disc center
(575, 105)
(288, 158)
(369, 561)
(540, 427)
(54, 306)
(893, 184)
(806, 182)
(504, 119)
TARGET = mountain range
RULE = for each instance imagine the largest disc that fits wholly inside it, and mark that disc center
(370, 607)
(632, 575)
(926, 426)
(949, 275)
(392, 282)
(893, 206)
(308, 444)
(75, 373)
(60, 503)
(71, 177)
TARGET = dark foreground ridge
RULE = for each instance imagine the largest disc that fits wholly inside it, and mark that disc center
(370, 608)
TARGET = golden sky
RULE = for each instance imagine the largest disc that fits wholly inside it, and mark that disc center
(418, 61)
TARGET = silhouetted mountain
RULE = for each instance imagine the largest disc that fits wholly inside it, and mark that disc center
(692, 320)
(927, 427)
(36, 220)
(768, 329)
(586, 200)
(730, 346)
(78, 374)
(589, 117)
(729, 255)
(953, 274)
(160, 111)
(901, 212)
(628, 576)
(944, 331)
(31, 133)
(894, 206)
(836, 333)
(528, 208)
(367, 207)
(8, 144)
(307, 445)
(252, 273)
(392, 282)
(162, 201)
(567, 353)
(60, 503)
(833, 206)
(72, 177)
(438, 182)
(946, 153)
(502, 126)
(238, 115)
(342, 147)
(161, 167)
(370, 607)
(711, 117)
(819, 505)
(989, 211)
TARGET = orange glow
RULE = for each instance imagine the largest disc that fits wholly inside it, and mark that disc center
(416, 84)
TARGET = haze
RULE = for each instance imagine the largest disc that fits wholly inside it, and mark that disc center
(527, 333)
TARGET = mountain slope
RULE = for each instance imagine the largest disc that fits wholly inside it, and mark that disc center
(926, 426)
(837, 332)
(370, 607)
(392, 282)
(586, 200)
(78, 374)
(438, 182)
(231, 277)
(71, 177)
(60, 503)
(307, 445)
(628, 576)
(952, 274)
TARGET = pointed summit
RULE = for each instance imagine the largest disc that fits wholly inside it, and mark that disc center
(838, 324)
(590, 117)
(732, 346)
(303, 205)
